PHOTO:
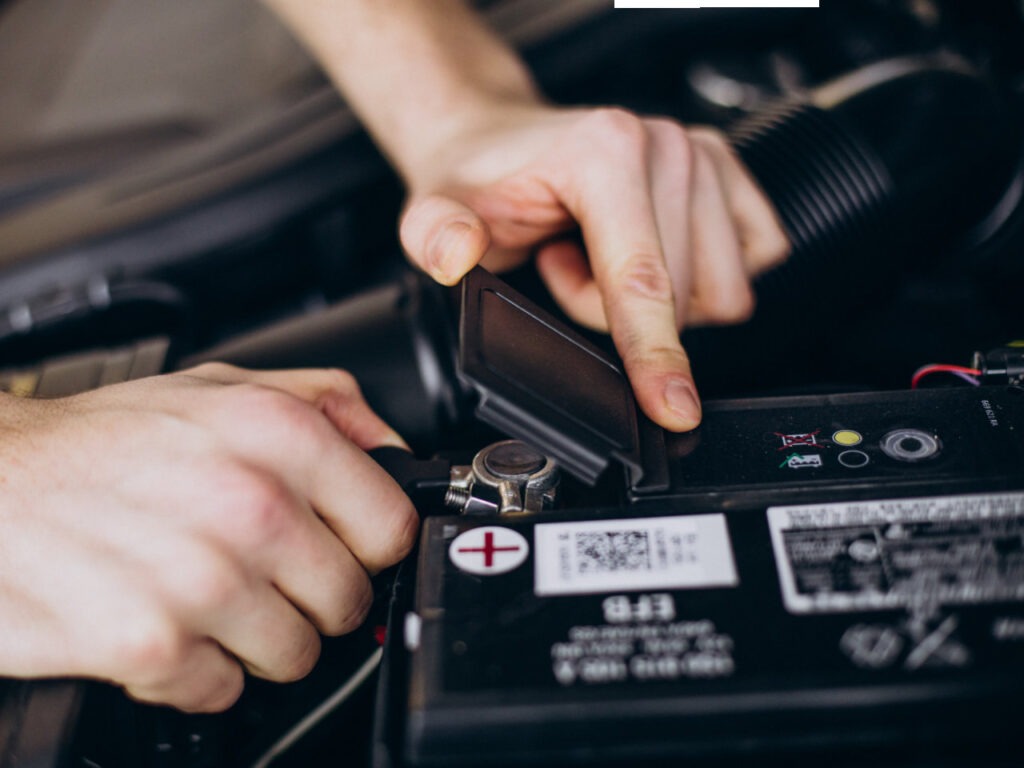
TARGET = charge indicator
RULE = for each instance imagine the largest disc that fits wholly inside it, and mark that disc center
(847, 437)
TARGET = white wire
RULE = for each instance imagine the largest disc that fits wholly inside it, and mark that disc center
(329, 704)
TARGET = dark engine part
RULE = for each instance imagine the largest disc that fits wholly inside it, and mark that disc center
(881, 155)
(397, 340)
(873, 176)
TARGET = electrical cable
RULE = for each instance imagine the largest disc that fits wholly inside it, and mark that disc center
(328, 705)
(961, 371)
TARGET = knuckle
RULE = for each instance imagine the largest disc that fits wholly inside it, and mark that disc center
(743, 308)
(675, 138)
(710, 137)
(259, 511)
(224, 694)
(151, 648)
(278, 416)
(392, 539)
(299, 422)
(779, 251)
(343, 382)
(214, 371)
(618, 128)
(769, 248)
(259, 402)
(645, 276)
(401, 534)
(353, 611)
(208, 583)
(302, 659)
(342, 395)
(656, 359)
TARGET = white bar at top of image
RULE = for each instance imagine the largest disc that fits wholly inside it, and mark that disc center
(716, 3)
(758, 3)
(657, 4)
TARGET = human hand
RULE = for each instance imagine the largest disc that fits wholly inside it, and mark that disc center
(673, 225)
(165, 533)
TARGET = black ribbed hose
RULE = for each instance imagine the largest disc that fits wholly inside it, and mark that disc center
(871, 176)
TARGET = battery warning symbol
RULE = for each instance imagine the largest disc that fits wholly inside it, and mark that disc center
(847, 437)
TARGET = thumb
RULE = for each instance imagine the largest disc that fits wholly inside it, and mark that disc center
(443, 237)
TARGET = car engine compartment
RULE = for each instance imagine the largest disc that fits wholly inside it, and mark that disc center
(888, 133)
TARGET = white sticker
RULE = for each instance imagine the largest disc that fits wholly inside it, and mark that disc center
(596, 556)
(900, 553)
(489, 550)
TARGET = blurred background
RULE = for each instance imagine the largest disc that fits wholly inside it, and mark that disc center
(184, 169)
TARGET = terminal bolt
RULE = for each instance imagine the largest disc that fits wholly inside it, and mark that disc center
(508, 477)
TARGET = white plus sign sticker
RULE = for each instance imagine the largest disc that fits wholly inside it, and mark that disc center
(488, 550)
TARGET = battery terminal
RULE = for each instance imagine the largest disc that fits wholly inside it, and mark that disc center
(509, 477)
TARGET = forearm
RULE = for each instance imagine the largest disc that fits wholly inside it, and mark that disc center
(418, 72)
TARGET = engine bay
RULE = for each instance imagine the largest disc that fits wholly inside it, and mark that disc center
(888, 135)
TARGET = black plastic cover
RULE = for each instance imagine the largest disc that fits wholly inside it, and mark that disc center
(541, 383)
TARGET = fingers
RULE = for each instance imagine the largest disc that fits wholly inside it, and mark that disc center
(284, 437)
(565, 270)
(312, 512)
(264, 632)
(205, 523)
(329, 586)
(672, 164)
(721, 288)
(673, 224)
(764, 243)
(675, 228)
(612, 201)
(444, 237)
(288, 545)
(206, 679)
(256, 586)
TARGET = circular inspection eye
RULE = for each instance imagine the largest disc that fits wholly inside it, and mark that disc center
(910, 445)
(854, 459)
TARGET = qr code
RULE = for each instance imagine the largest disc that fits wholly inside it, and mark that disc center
(604, 551)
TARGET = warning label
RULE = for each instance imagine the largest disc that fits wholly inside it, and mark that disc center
(900, 553)
(644, 553)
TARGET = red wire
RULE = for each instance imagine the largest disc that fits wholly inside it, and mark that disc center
(926, 370)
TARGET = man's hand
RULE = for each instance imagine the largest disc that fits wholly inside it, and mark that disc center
(674, 229)
(165, 533)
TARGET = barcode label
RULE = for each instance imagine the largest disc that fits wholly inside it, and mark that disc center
(629, 555)
(613, 551)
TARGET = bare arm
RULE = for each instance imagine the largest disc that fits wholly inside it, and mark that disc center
(419, 74)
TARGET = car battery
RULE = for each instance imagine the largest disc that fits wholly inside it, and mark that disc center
(799, 574)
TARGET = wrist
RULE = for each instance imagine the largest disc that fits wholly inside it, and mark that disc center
(451, 101)
(466, 131)
(420, 75)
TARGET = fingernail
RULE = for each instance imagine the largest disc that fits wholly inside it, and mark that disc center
(446, 259)
(681, 399)
(395, 440)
